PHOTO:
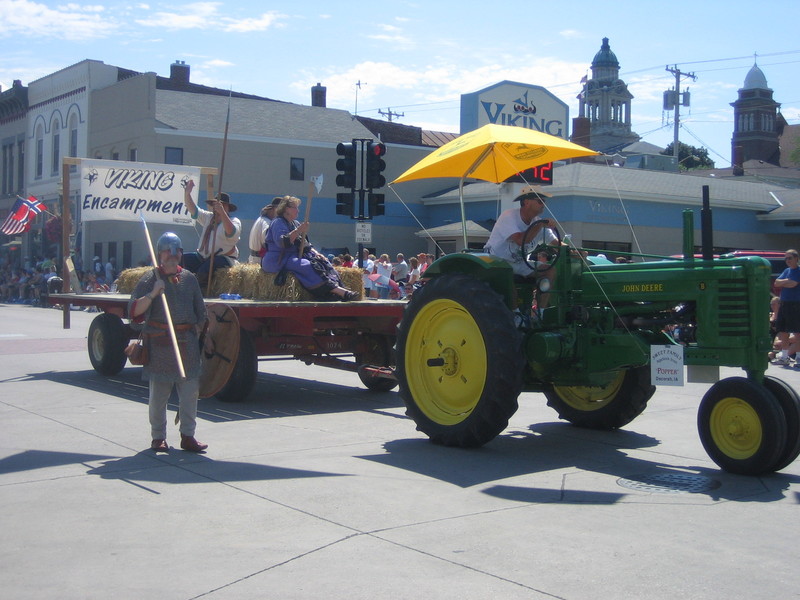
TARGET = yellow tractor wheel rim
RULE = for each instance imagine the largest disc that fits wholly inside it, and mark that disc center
(587, 399)
(446, 362)
(736, 428)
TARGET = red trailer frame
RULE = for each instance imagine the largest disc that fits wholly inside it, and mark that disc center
(352, 336)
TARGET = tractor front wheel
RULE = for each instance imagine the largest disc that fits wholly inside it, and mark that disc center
(459, 361)
(742, 426)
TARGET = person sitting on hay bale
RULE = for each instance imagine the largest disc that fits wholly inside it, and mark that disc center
(221, 234)
(311, 268)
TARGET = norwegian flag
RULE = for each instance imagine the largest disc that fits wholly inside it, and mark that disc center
(22, 213)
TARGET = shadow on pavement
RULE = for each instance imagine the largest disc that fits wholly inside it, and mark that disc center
(30, 460)
(557, 446)
(183, 467)
(273, 396)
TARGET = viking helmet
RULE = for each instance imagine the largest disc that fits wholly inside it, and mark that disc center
(169, 241)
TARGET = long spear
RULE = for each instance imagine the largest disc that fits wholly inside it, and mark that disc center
(219, 191)
(170, 326)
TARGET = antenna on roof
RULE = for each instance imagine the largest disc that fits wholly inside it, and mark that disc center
(358, 87)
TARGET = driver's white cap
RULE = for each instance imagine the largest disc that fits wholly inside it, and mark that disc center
(532, 191)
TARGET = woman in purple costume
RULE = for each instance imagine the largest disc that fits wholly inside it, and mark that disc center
(312, 269)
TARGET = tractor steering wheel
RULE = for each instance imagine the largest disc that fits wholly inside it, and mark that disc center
(550, 253)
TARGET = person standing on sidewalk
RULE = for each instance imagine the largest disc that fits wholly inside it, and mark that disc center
(188, 311)
(788, 320)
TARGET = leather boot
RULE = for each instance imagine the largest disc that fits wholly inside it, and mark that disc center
(192, 445)
(159, 445)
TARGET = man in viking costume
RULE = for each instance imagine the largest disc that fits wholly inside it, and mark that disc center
(188, 312)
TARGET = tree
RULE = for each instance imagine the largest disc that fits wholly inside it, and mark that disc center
(690, 157)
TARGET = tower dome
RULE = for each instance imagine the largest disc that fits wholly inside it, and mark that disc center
(755, 80)
(605, 57)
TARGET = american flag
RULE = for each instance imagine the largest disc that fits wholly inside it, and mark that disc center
(23, 211)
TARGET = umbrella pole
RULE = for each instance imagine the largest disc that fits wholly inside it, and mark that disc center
(478, 161)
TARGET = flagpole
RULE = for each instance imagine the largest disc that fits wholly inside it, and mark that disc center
(66, 228)
(170, 326)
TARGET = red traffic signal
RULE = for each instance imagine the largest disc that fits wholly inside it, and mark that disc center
(375, 165)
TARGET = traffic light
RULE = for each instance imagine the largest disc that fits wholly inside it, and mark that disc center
(347, 165)
(375, 165)
(376, 207)
(345, 203)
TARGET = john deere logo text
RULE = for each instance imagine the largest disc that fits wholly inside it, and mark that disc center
(642, 287)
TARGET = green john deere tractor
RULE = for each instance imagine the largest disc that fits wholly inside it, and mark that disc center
(468, 344)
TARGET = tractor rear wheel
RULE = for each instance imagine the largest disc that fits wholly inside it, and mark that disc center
(459, 361)
(604, 407)
(742, 426)
(789, 401)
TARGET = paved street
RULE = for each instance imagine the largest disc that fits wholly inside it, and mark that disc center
(318, 488)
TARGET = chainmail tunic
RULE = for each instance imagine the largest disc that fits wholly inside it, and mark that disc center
(186, 306)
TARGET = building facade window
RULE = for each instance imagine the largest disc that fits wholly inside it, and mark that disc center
(173, 156)
(39, 168)
(127, 255)
(8, 169)
(56, 149)
(114, 154)
(297, 169)
(73, 141)
(133, 154)
(20, 165)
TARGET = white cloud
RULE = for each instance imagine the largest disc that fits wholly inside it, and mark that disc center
(570, 34)
(206, 15)
(262, 23)
(438, 82)
(197, 15)
(68, 22)
(216, 62)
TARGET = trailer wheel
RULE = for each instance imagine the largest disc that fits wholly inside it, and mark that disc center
(607, 407)
(106, 344)
(378, 354)
(459, 361)
(741, 425)
(243, 376)
(789, 401)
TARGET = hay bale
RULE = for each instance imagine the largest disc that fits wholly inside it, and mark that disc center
(249, 281)
(128, 279)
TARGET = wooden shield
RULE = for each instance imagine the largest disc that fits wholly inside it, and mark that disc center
(220, 350)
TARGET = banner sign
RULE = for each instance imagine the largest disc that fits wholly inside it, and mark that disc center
(666, 365)
(112, 190)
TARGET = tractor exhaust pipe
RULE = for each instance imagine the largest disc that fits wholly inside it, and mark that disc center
(706, 229)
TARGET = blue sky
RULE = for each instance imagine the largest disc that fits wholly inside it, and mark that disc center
(417, 58)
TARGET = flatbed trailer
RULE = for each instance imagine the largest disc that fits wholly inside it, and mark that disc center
(352, 336)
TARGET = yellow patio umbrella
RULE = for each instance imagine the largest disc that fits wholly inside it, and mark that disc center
(492, 153)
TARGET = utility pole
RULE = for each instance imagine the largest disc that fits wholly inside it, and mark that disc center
(390, 113)
(674, 101)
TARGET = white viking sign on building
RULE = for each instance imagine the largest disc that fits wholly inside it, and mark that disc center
(113, 190)
(517, 105)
